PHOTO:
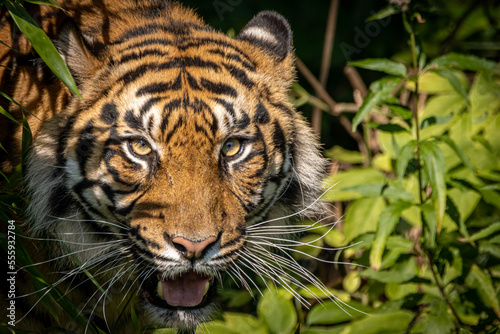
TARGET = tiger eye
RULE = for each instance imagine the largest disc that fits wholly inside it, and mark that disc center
(231, 147)
(140, 147)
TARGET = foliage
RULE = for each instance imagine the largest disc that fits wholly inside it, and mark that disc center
(421, 199)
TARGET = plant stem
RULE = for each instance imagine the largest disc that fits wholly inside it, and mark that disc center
(326, 59)
(415, 110)
(458, 322)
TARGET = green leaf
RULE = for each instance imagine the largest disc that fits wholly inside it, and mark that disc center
(386, 12)
(362, 216)
(486, 232)
(42, 44)
(380, 91)
(392, 322)
(402, 272)
(391, 127)
(381, 64)
(27, 138)
(13, 101)
(455, 268)
(244, 323)
(329, 313)
(9, 116)
(403, 112)
(463, 62)
(367, 190)
(386, 224)
(435, 168)
(455, 82)
(395, 193)
(350, 178)
(436, 319)
(277, 313)
(405, 155)
(457, 150)
(341, 154)
(481, 281)
(44, 2)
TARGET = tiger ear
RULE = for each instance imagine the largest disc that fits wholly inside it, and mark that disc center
(77, 52)
(270, 32)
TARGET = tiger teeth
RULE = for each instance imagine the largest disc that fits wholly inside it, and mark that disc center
(159, 290)
(207, 286)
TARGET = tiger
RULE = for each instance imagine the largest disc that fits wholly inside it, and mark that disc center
(160, 180)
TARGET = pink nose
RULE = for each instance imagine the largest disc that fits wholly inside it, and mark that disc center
(192, 249)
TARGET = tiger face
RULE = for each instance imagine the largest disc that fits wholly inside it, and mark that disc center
(184, 139)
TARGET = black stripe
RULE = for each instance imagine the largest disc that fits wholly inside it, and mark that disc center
(240, 75)
(179, 62)
(85, 146)
(244, 121)
(196, 42)
(135, 232)
(61, 200)
(227, 105)
(167, 109)
(62, 143)
(192, 82)
(78, 190)
(218, 88)
(142, 53)
(109, 113)
(247, 64)
(261, 115)
(151, 41)
(279, 139)
(177, 125)
(133, 121)
(161, 87)
(174, 27)
(244, 162)
(126, 210)
(148, 105)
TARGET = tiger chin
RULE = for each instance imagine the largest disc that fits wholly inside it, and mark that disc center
(154, 181)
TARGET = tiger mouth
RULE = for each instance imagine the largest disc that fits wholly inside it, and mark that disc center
(188, 291)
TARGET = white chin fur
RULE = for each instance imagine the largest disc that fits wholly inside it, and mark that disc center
(178, 319)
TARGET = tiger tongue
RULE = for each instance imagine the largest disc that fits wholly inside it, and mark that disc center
(187, 290)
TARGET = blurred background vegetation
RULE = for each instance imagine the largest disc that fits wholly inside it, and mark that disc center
(409, 114)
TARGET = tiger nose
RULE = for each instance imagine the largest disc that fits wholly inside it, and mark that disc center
(192, 249)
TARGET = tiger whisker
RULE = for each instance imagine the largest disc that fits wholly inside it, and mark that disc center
(304, 253)
(63, 256)
(283, 273)
(282, 280)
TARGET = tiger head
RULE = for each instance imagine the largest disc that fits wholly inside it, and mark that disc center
(183, 141)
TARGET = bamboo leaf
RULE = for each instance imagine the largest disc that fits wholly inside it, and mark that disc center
(9, 116)
(41, 43)
(44, 2)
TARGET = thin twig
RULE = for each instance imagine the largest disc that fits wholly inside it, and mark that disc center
(316, 85)
(323, 94)
(355, 80)
(326, 59)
